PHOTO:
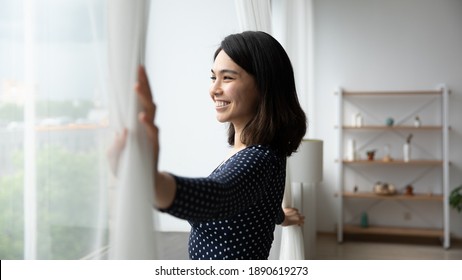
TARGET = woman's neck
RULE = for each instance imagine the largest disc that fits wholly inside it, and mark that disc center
(238, 145)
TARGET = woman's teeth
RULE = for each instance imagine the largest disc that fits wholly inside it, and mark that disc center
(221, 103)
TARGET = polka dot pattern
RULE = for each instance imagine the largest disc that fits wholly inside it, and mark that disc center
(234, 210)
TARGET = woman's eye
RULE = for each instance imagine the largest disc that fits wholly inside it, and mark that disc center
(227, 78)
(213, 78)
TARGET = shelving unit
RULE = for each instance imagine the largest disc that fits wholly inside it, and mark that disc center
(356, 176)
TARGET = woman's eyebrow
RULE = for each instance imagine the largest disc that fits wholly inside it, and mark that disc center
(224, 71)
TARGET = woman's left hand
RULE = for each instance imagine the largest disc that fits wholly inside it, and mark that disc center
(115, 150)
(292, 217)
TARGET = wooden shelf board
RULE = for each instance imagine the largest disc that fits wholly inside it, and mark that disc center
(395, 162)
(370, 195)
(378, 230)
(71, 127)
(401, 127)
(391, 93)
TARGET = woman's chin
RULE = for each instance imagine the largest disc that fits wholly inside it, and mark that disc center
(222, 119)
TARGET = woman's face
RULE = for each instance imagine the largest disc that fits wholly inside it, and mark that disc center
(233, 91)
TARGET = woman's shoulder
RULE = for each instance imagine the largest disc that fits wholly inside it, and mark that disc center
(262, 152)
(261, 148)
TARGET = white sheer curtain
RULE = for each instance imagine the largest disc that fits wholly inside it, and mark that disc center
(293, 28)
(256, 15)
(292, 243)
(53, 122)
(132, 235)
(54, 130)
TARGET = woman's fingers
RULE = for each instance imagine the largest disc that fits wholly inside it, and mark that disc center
(114, 152)
(143, 91)
(151, 128)
(121, 139)
(293, 217)
(290, 210)
(148, 111)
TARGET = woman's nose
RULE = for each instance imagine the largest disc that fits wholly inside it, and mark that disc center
(215, 89)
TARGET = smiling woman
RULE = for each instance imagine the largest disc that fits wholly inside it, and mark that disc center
(234, 210)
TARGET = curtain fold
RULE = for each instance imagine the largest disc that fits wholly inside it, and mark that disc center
(254, 15)
(132, 231)
(292, 23)
(292, 244)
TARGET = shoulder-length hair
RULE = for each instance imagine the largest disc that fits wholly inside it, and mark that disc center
(280, 121)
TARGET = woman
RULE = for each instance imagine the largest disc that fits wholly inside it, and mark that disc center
(233, 211)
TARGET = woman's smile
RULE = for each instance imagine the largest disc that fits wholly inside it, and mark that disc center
(221, 104)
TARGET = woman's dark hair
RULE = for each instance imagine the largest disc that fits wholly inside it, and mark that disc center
(280, 121)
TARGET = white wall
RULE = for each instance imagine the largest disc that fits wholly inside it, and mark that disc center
(182, 38)
(383, 45)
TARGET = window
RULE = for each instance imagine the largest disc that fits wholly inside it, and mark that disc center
(53, 124)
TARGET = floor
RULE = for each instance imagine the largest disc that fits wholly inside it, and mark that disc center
(174, 247)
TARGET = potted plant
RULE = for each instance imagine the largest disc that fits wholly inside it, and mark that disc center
(455, 198)
(370, 154)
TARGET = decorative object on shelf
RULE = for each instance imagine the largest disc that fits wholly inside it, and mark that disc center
(407, 149)
(384, 188)
(364, 220)
(409, 190)
(389, 121)
(370, 155)
(417, 122)
(355, 189)
(387, 157)
(351, 150)
(358, 120)
(455, 198)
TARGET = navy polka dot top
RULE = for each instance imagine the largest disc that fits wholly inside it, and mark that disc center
(234, 210)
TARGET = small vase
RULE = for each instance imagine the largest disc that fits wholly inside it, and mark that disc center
(364, 220)
(358, 120)
(351, 150)
(389, 121)
(406, 152)
(417, 122)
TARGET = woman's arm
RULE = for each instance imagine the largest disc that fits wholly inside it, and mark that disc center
(253, 175)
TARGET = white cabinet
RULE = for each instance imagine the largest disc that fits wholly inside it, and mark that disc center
(383, 122)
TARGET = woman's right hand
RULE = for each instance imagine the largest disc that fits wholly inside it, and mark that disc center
(148, 112)
(146, 116)
(165, 185)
